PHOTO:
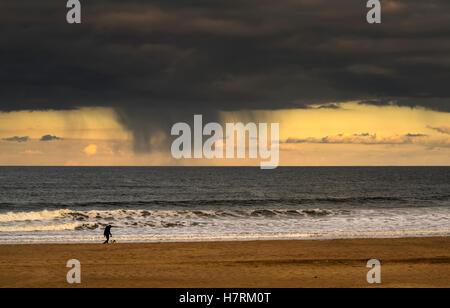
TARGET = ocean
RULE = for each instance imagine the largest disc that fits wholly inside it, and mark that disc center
(153, 204)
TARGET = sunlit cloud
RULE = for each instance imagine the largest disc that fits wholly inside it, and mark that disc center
(364, 138)
(90, 150)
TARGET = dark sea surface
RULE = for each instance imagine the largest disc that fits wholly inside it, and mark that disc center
(74, 204)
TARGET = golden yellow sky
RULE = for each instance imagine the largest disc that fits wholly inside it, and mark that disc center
(352, 135)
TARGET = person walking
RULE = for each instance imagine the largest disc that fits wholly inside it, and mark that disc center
(107, 234)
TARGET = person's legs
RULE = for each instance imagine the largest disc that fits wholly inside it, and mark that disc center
(107, 239)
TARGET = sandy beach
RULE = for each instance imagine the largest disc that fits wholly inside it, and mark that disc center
(410, 262)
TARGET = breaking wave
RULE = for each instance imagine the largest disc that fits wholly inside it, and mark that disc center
(61, 220)
(32, 216)
(124, 215)
(32, 228)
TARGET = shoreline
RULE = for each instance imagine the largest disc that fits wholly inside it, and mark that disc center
(406, 262)
(244, 238)
(216, 240)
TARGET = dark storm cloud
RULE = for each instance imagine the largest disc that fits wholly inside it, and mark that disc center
(439, 104)
(159, 62)
(49, 138)
(17, 139)
(329, 106)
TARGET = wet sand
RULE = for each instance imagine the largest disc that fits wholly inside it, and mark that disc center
(411, 262)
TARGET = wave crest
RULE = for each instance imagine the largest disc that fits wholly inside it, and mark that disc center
(34, 228)
(32, 216)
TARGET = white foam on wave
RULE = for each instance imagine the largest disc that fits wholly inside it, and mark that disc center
(32, 216)
(136, 214)
(140, 225)
(33, 228)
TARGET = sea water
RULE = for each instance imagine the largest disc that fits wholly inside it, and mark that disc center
(74, 204)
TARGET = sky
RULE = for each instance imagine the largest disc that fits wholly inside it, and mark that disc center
(107, 91)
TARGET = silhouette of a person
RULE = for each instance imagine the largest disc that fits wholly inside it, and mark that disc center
(107, 233)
